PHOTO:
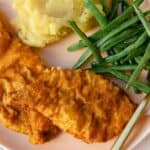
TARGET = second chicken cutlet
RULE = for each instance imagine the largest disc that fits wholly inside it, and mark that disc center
(86, 105)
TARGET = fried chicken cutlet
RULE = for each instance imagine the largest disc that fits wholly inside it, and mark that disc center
(21, 119)
(28, 121)
(86, 105)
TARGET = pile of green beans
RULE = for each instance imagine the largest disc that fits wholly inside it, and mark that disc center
(124, 37)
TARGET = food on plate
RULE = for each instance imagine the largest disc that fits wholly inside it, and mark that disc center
(86, 105)
(19, 118)
(41, 22)
(125, 42)
(27, 121)
(121, 47)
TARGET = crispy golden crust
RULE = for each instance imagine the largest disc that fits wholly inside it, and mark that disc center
(83, 104)
(19, 118)
(28, 121)
(79, 102)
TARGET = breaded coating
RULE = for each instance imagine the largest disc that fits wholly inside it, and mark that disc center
(28, 121)
(19, 118)
(84, 104)
(79, 102)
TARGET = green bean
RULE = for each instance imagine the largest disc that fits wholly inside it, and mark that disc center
(123, 26)
(117, 21)
(135, 53)
(115, 4)
(91, 46)
(138, 59)
(114, 23)
(127, 50)
(148, 68)
(139, 68)
(141, 16)
(105, 6)
(104, 69)
(121, 37)
(131, 40)
(124, 5)
(124, 67)
(136, 84)
(116, 9)
(75, 47)
(111, 52)
(84, 57)
(87, 54)
(119, 47)
(101, 19)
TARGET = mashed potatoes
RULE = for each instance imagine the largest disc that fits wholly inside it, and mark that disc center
(41, 22)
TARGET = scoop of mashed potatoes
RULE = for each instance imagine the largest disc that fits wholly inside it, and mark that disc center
(41, 22)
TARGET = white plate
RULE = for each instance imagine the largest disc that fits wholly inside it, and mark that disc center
(57, 55)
